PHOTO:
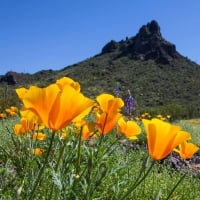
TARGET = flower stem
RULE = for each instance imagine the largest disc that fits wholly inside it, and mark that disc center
(180, 180)
(42, 168)
(79, 153)
(137, 182)
(77, 166)
(60, 156)
(57, 166)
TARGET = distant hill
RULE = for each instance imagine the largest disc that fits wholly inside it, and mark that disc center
(146, 64)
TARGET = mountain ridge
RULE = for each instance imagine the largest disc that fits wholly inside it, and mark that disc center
(147, 44)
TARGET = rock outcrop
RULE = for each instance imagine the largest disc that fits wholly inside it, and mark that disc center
(10, 78)
(147, 44)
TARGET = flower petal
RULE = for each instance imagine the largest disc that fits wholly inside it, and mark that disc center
(69, 104)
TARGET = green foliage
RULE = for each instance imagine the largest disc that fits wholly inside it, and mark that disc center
(8, 97)
(101, 168)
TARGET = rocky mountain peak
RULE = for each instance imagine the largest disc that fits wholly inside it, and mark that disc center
(152, 28)
(147, 44)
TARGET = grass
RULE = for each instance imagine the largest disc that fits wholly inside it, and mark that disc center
(93, 171)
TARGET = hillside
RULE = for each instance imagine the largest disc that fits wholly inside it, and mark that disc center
(146, 64)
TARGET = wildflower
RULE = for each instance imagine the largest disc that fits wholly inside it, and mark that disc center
(143, 115)
(14, 108)
(24, 127)
(11, 112)
(163, 137)
(109, 104)
(137, 119)
(63, 135)
(84, 127)
(168, 116)
(55, 105)
(163, 118)
(8, 110)
(129, 104)
(62, 82)
(88, 130)
(159, 116)
(39, 136)
(129, 128)
(21, 92)
(2, 115)
(37, 151)
(186, 150)
(146, 115)
(106, 123)
(109, 114)
(29, 116)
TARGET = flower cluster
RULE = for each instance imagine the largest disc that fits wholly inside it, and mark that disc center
(163, 138)
(147, 115)
(62, 105)
(73, 138)
(12, 111)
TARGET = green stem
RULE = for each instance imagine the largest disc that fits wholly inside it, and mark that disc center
(79, 153)
(89, 174)
(137, 183)
(43, 167)
(78, 160)
(180, 180)
(101, 136)
(57, 165)
(60, 156)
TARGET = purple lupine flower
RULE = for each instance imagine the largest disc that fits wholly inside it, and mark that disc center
(129, 104)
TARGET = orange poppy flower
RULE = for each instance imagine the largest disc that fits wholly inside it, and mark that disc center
(21, 92)
(24, 127)
(106, 122)
(37, 151)
(109, 104)
(62, 82)
(187, 150)
(14, 108)
(54, 107)
(88, 130)
(30, 116)
(130, 129)
(163, 137)
(109, 112)
(39, 136)
(2, 115)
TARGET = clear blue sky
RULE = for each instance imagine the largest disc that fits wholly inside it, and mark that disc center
(52, 34)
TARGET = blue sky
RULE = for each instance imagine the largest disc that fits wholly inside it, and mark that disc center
(52, 34)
